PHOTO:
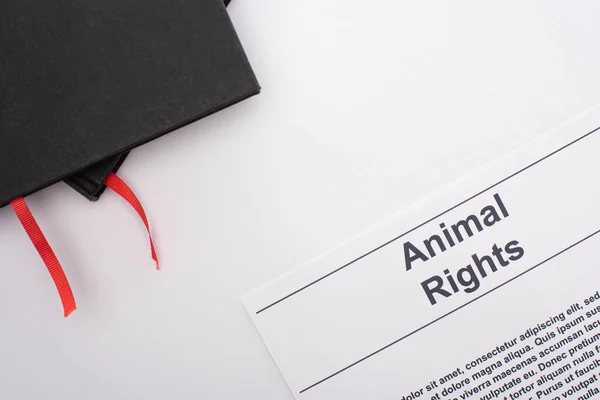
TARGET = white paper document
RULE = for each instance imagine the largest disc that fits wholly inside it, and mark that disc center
(488, 289)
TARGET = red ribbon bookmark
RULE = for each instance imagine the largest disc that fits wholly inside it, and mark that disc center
(121, 188)
(43, 247)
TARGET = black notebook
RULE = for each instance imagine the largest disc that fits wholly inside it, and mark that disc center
(90, 181)
(81, 82)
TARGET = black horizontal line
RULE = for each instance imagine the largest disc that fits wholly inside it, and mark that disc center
(426, 222)
(447, 314)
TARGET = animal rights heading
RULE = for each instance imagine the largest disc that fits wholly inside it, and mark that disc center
(467, 278)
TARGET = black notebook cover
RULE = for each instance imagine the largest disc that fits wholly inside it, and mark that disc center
(90, 181)
(84, 81)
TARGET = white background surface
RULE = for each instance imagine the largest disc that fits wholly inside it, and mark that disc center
(366, 107)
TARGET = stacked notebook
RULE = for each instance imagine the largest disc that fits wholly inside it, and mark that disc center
(82, 83)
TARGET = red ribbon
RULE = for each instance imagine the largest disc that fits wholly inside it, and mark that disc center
(121, 188)
(45, 251)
